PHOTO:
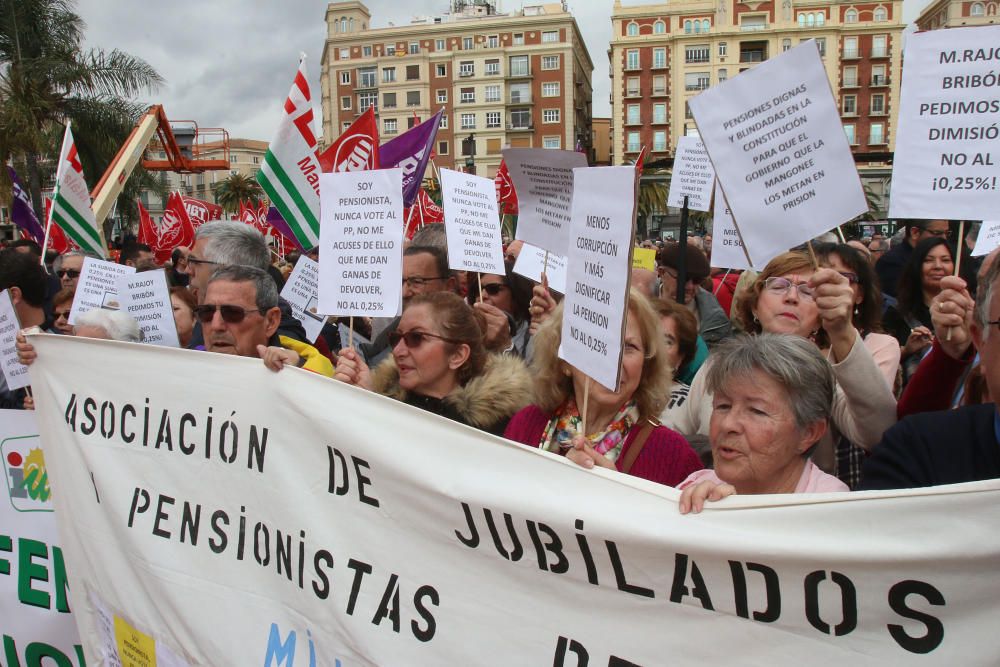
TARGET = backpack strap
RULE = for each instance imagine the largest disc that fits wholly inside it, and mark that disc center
(640, 440)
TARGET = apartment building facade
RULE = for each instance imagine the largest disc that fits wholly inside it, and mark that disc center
(957, 13)
(521, 79)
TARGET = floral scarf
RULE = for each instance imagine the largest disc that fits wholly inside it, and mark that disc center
(565, 425)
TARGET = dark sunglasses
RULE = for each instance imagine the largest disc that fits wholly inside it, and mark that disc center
(414, 339)
(230, 314)
(61, 313)
(72, 273)
(494, 288)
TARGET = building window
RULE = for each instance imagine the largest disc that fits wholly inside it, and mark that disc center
(520, 93)
(345, 103)
(878, 75)
(413, 98)
(552, 142)
(414, 48)
(345, 77)
(492, 93)
(850, 105)
(388, 100)
(659, 28)
(632, 86)
(659, 113)
(875, 134)
(659, 141)
(466, 43)
(345, 54)
(632, 59)
(412, 122)
(706, 25)
(849, 131)
(493, 41)
(880, 14)
(345, 125)
(443, 123)
(659, 58)
(878, 104)
(723, 49)
(366, 100)
(632, 30)
(688, 29)
(442, 145)
(366, 51)
(632, 114)
(468, 95)
(851, 16)
(439, 45)
(851, 47)
(851, 76)
(442, 95)
(366, 78)
(659, 85)
(520, 119)
(390, 49)
(633, 142)
(879, 48)
(492, 119)
(519, 66)
(549, 36)
(466, 68)
(388, 74)
(550, 62)
(412, 72)
(550, 115)
(518, 39)
(468, 121)
(390, 126)
(698, 53)
(492, 67)
(753, 23)
(550, 89)
(441, 70)
(723, 75)
(696, 80)
(786, 44)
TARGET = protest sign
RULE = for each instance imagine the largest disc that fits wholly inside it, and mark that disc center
(146, 297)
(226, 527)
(361, 242)
(14, 373)
(533, 261)
(946, 160)
(301, 291)
(727, 248)
(776, 140)
(598, 269)
(543, 180)
(38, 625)
(472, 223)
(988, 239)
(692, 176)
(98, 286)
(644, 258)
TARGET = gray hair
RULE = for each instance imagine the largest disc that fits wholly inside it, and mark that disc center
(431, 235)
(792, 361)
(57, 264)
(984, 296)
(267, 291)
(116, 324)
(231, 242)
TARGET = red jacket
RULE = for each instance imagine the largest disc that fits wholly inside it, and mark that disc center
(724, 294)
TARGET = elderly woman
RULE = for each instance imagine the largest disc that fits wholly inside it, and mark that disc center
(791, 296)
(621, 430)
(439, 363)
(62, 305)
(761, 436)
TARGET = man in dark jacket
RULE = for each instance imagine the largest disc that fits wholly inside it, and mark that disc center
(22, 274)
(890, 266)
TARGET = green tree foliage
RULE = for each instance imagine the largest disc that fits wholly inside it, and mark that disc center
(235, 189)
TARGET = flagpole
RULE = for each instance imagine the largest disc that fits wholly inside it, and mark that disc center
(45, 243)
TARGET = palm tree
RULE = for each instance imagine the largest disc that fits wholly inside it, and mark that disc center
(47, 79)
(652, 199)
(235, 189)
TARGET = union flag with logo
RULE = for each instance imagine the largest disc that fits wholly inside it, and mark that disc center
(506, 195)
(356, 149)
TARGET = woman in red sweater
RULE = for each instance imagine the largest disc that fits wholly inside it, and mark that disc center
(622, 432)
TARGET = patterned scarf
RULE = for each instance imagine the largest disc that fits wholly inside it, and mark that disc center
(565, 425)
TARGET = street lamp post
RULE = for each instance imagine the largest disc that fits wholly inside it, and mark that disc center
(469, 151)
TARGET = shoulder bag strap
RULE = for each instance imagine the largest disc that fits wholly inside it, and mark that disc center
(636, 448)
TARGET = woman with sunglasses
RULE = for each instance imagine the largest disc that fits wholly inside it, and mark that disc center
(440, 364)
(62, 304)
(791, 296)
(509, 294)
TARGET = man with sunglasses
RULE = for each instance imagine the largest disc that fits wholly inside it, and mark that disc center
(69, 265)
(890, 267)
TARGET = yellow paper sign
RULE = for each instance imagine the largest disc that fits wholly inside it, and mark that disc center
(644, 258)
(135, 649)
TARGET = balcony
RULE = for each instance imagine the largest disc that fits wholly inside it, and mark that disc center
(752, 56)
(691, 59)
(511, 127)
(633, 121)
(850, 54)
(753, 27)
(634, 92)
(849, 83)
(465, 74)
(701, 85)
(879, 81)
(878, 112)
(514, 98)
(519, 74)
(849, 114)
(881, 52)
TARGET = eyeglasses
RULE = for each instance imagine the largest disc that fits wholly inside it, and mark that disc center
(61, 313)
(672, 272)
(72, 273)
(417, 281)
(494, 288)
(230, 314)
(851, 277)
(414, 339)
(195, 260)
(781, 286)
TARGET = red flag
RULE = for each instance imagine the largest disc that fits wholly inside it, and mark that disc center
(506, 194)
(175, 229)
(200, 211)
(356, 149)
(640, 161)
(250, 215)
(147, 230)
(423, 212)
(57, 239)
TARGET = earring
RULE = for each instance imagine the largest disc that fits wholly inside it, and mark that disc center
(857, 310)
(755, 320)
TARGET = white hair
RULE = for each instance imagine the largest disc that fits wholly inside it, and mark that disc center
(116, 324)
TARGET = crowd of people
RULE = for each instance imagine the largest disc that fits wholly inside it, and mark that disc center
(865, 364)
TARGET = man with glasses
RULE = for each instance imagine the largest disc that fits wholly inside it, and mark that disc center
(69, 265)
(890, 267)
(713, 323)
(877, 248)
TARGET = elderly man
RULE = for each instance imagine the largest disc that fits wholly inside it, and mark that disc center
(890, 267)
(69, 265)
(877, 248)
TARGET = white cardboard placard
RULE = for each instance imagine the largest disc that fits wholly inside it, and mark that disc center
(472, 222)
(693, 175)
(988, 239)
(947, 158)
(727, 248)
(775, 137)
(14, 372)
(146, 297)
(543, 180)
(301, 291)
(361, 242)
(98, 286)
(532, 261)
(598, 267)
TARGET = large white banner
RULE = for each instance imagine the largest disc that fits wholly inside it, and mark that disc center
(946, 161)
(245, 521)
(36, 620)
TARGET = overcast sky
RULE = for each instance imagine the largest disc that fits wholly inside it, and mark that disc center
(230, 63)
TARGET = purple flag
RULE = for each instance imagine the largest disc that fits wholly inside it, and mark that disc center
(275, 220)
(21, 213)
(411, 151)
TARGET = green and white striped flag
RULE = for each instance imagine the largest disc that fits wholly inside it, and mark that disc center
(71, 206)
(290, 175)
